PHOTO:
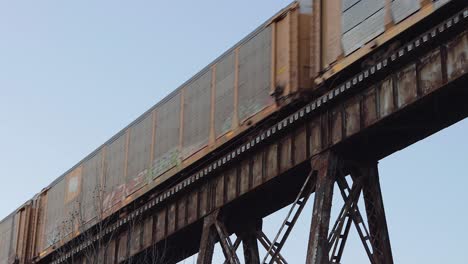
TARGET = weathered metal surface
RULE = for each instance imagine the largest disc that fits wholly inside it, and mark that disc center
(114, 173)
(379, 238)
(369, 107)
(401, 9)
(197, 109)
(386, 99)
(167, 141)
(54, 215)
(346, 4)
(326, 167)
(208, 239)
(457, 57)
(254, 74)
(359, 12)
(159, 140)
(7, 240)
(430, 72)
(363, 32)
(406, 90)
(323, 125)
(62, 212)
(332, 47)
(395, 92)
(92, 190)
(358, 40)
(122, 246)
(139, 153)
(224, 103)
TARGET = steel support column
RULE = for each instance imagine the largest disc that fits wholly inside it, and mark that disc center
(375, 238)
(250, 243)
(208, 239)
(326, 167)
(376, 214)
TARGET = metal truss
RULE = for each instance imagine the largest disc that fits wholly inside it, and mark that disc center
(325, 245)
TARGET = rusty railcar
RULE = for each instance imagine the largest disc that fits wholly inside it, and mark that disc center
(284, 60)
(248, 83)
(363, 27)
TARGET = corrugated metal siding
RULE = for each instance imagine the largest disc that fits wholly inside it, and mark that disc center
(364, 32)
(55, 215)
(360, 12)
(401, 9)
(115, 171)
(197, 109)
(6, 237)
(224, 102)
(91, 198)
(254, 74)
(166, 149)
(139, 148)
(346, 4)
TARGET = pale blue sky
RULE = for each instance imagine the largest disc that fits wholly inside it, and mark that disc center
(73, 73)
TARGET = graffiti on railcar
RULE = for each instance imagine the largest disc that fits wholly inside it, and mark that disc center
(169, 160)
(136, 183)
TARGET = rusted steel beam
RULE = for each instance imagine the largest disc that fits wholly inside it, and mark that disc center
(266, 243)
(380, 239)
(291, 218)
(326, 166)
(337, 238)
(228, 248)
(250, 245)
(354, 215)
(208, 239)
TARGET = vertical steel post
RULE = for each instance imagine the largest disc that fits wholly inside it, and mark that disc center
(208, 239)
(376, 214)
(250, 244)
(326, 167)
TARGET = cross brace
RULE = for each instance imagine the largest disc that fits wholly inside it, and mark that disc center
(327, 247)
(324, 247)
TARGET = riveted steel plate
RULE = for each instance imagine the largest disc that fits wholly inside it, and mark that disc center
(457, 57)
(430, 72)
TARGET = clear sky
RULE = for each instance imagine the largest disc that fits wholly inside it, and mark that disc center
(73, 73)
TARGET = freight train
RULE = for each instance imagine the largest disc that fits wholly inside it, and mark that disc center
(284, 61)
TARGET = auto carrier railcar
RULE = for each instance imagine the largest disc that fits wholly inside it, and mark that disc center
(283, 61)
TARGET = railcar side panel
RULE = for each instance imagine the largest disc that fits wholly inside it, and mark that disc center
(115, 173)
(196, 115)
(254, 74)
(224, 94)
(364, 25)
(167, 142)
(92, 190)
(7, 239)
